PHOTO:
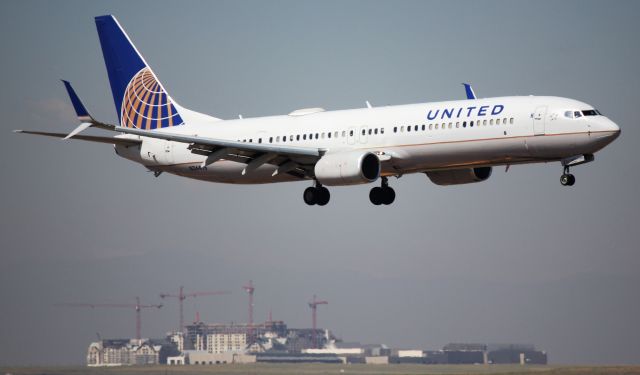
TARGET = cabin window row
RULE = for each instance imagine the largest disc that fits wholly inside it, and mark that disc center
(450, 125)
(310, 136)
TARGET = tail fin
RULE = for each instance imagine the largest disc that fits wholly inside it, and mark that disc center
(140, 99)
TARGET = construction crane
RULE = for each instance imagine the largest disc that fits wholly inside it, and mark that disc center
(137, 306)
(249, 288)
(181, 296)
(314, 316)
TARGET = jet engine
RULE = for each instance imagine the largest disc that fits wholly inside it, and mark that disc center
(459, 176)
(347, 168)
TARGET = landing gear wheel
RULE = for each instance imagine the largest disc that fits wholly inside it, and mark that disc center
(567, 179)
(309, 196)
(376, 195)
(388, 195)
(316, 195)
(322, 195)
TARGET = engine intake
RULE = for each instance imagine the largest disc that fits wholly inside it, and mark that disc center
(347, 168)
(459, 176)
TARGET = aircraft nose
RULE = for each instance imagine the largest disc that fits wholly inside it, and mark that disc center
(610, 127)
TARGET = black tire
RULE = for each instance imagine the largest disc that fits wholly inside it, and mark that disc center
(572, 180)
(323, 196)
(375, 195)
(309, 196)
(388, 195)
(564, 179)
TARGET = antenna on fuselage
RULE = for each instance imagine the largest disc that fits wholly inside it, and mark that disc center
(368, 104)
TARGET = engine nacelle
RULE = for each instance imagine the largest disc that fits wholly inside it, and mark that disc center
(347, 168)
(459, 176)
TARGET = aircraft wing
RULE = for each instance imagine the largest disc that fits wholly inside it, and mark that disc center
(297, 161)
(89, 138)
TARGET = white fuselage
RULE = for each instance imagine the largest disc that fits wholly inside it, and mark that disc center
(408, 138)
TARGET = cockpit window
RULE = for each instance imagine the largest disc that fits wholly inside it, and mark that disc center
(577, 114)
(591, 112)
(568, 114)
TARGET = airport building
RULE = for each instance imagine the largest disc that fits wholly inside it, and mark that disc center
(125, 352)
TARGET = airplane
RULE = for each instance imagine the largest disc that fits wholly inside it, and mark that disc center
(452, 142)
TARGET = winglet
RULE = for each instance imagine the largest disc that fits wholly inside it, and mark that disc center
(469, 90)
(86, 120)
(81, 110)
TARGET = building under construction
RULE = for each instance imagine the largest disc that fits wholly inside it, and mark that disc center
(260, 337)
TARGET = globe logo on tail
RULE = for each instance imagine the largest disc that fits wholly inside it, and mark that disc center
(146, 105)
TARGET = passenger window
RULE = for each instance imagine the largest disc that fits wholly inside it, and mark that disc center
(444, 126)
(381, 130)
(430, 126)
(395, 129)
(270, 139)
(259, 140)
(415, 128)
(491, 122)
(350, 133)
(375, 131)
(408, 128)
(423, 127)
(316, 135)
(450, 124)
(278, 139)
(436, 126)
(511, 120)
(284, 138)
(464, 124)
(298, 137)
(329, 135)
(322, 136)
(291, 137)
(344, 133)
(401, 129)
(363, 132)
(504, 121)
(471, 124)
(370, 131)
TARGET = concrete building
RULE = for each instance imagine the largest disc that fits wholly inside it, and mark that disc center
(199, 357)
(416, 353)
(378, 360)
(226, 342)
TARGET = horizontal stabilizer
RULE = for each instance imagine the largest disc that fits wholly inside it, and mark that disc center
(89, 138)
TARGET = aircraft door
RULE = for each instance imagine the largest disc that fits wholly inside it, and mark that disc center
(363, 134)
(351, 136)
(539, 118)
(166, 153)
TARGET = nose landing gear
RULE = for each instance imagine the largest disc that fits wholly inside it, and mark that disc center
(316, 195)
(383, 194)
(567, 179)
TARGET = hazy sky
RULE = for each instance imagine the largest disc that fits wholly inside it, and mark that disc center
(518, 258)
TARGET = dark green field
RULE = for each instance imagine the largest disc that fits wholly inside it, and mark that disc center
(312, 369)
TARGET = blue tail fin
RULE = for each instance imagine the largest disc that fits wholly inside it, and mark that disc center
(469, 91)
(141, 100)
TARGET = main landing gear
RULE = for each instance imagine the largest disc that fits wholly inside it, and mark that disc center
(567, 179)
(316, 195)
(383, 194)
